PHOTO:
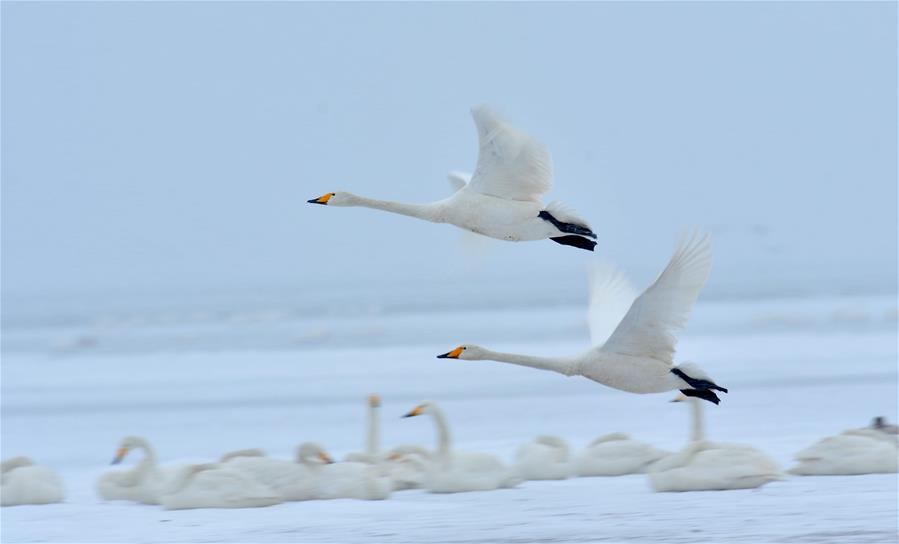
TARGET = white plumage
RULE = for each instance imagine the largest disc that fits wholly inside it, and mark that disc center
(23, 482)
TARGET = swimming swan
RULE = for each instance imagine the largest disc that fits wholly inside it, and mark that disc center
(712, 466)
(638, 356)
(616, 454)
(544, 458)
(142, 483)
(372, 453)
(503, 198)
(298, 480)
(23, 482)
(215, 485)
(454, 471)
(856, 451)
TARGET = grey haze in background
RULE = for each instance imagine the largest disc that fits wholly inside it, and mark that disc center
(158, 150)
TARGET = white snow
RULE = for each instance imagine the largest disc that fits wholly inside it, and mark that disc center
(797, 370)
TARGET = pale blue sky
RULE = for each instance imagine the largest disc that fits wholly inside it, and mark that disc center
(172, 146)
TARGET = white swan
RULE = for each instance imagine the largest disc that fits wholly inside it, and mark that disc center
(249, 452)
(215, 485)
(879, 423)
(353, 480)
(856, 451)
(408, 466)
(503, 198)
(616, 454)
(372, 453)
(298, 480)
(544, 458)
(142, 483)
(454, 471)
(638, 356)
(23, 482)
(712, 466)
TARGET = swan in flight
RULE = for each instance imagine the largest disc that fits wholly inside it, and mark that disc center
(23, 482)
(638, 355)
(712, 466)
(455, 471)
(214, 485)
(503, 199)
(142, 483)
(544, 458)
(616, 454)
(856, 451)
(372, 453)
(292, 480)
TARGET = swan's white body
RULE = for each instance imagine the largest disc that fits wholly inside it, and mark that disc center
(408, 466)
(353, 480)
(215, 485)
(298, 480)
(616, 454)
(857, 451)
(503, 200)
(249, 452)
(23, 482)
(456, 471)
(712, 466)
(142, 484)
(638, 356)
(544, 458)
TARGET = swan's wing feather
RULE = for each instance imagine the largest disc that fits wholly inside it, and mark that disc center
(511, 164)
(458, 180)
(664, 307)
(611, 295)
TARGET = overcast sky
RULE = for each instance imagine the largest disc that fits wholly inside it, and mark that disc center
(172, 146)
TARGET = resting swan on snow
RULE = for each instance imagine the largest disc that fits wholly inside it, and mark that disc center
(544, 458)
(23, 482)
(142, 483)
(712, 466)
(298, 480)
(503, 198)
(638, 356)
(616, 454)
(214, 485)
(454, 471)
(856, 451)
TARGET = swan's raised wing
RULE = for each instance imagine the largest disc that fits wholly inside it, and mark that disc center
(511, 164)
(649, 326)
(457, 180)
(611, 295)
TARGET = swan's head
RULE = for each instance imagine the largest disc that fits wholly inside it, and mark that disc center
(422, 408)
(312, 453)
(374, 400)
(334, 199)
(466, 352)
(127, 444)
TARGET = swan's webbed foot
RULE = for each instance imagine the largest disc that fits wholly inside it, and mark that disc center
(570, 228)
(703, 394)
(702, 385)
(575, 241)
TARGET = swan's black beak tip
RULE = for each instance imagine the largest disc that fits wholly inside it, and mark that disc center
(444, 355)
(316, 201)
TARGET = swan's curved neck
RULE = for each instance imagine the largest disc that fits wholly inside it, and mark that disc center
(698, 432)
(421, 211)
(562, 365)
(443, 433)
(149, 453)
(373, 445)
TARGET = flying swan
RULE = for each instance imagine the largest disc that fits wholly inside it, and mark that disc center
(638, 356)
(503, 198)
(23, 482)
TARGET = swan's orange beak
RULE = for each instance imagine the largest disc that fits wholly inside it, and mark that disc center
(417, 411)
(322, 199)
(326, 459)
(374, 400)
(452, 354)
(119, 455)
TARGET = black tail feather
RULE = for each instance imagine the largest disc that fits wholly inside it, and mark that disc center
(575, 241)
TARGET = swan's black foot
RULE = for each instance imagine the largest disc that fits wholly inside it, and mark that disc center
(703, 385)
(704, 394)
(576, 241)
(570, 228)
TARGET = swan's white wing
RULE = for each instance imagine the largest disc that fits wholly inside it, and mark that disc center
(511, 164)
(457, 180)
(611, 295)
(649, 326)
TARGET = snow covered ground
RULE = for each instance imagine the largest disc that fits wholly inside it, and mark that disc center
(797, 370)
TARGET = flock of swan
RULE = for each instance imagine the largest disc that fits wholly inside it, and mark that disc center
(634, 340)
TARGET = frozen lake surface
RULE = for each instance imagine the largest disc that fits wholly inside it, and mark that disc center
(797, 370)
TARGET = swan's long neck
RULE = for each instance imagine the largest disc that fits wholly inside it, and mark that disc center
(427, 212)
(562, 365)
(148, 464)
(443, 434)
(698, 432)
(373, 445)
